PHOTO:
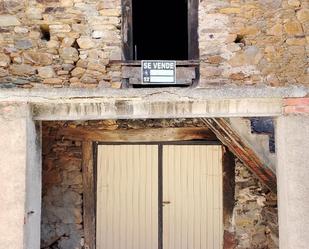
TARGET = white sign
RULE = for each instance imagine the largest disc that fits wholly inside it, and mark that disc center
(158, 72)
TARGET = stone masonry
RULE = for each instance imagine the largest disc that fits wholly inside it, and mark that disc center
(254, 42)
(255, 218)
(62, 190)
(59, 43)
(76, 43)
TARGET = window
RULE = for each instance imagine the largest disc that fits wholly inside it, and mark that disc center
(160, 30)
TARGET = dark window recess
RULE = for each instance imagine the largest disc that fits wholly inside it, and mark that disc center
(264, 126)
(160, 29)
(45, 33)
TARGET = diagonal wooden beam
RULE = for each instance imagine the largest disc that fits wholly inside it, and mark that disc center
(233, 141)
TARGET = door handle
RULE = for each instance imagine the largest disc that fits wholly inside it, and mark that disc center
(166, 202)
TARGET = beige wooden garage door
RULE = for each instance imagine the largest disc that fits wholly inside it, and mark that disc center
(192, 184)
(138, 209)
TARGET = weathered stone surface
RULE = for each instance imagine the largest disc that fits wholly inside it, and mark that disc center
(66, 3)
(303, 15)
(85, 43)
(34, 13)
(78, 72)
(23, 44)
(110, 12)
(4, 60)
(276, 30)
(43, 59)
(231, 10)
(3, 72)
(22, 70)
(69, 53)
(21, 30)
(296, 41)
(9, 20)
(52, 44)
(293, 28)
(67, 42)
(46, 72)
(294, 3)
(59, 28)
(97, 34)
(53, 81)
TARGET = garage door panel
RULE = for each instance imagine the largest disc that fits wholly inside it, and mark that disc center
(127, 197)
(192, 182)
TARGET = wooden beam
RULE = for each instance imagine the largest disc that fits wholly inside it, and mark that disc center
(228, 164)
(249, 158)
(127, 29)
(138, 135)
(184, 74)
(138, 63)
(88, 195)
(193, 29)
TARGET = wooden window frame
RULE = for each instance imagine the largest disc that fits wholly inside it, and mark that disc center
(127, 30)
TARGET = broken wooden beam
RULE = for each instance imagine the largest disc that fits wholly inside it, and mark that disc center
(233, 141)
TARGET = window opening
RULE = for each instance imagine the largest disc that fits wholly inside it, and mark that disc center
(160, 29)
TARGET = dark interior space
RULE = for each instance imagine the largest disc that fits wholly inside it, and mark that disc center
(160, 29)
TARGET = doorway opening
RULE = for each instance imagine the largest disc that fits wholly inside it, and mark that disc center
(160, 30)
(72, 186)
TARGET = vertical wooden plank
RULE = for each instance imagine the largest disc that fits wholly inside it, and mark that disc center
(193, 29)
(88, 194)
(154, 197)
(130, 194)
(127, 29)
(203, 157)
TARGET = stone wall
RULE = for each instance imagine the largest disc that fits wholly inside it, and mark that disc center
(62, 194)
(252, 225)
(73, 43)
(59, 43)
(254, 42)
(255, 218)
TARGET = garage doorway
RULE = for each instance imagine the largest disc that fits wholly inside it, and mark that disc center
(159, 196)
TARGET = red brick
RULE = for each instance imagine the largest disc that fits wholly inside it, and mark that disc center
(296, 101)
(289, 109)
(302, 109)
(296, 109)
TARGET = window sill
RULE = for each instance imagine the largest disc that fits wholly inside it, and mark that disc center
(187, 72)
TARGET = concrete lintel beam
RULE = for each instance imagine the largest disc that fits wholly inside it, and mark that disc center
(111, 108)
